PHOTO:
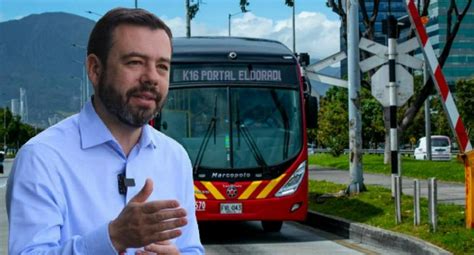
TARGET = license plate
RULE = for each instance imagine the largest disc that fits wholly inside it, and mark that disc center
(231, 208)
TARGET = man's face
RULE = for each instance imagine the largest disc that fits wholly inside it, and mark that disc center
(134, 83)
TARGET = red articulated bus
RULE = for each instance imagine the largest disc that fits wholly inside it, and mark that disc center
(237, 105)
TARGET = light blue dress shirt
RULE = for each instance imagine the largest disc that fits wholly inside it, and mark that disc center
(63, 190)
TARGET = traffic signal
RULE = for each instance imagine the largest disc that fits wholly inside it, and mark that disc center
(290, 3)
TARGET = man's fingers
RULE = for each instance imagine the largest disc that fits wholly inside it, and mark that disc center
(155, 231)
(144, 193)
(156, 206)
(163, 247)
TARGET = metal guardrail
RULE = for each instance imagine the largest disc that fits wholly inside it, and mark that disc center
(408, 152)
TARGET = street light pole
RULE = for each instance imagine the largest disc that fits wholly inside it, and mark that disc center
(81, 100)
(291, 3)
(85, 86)
(94, 13)
(294, 33)
(230, 16)
(5, 130)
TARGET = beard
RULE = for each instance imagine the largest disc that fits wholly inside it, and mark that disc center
(120, 106)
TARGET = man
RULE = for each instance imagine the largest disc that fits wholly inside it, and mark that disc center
(71, 188)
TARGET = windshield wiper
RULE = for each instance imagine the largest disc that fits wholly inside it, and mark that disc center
(211, 128)
(252, 145)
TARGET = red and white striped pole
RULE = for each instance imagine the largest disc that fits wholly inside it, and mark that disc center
(438, 78)
(449, 107)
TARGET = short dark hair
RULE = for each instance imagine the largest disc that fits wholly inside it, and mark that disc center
(100, 40)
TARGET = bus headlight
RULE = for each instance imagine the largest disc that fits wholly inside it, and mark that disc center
(294, 182)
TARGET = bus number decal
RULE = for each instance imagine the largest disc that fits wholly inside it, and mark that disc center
(200, 206)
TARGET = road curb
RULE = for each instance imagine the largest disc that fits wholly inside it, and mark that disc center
(370, 235)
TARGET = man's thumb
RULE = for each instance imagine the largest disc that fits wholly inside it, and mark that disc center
(144, 193)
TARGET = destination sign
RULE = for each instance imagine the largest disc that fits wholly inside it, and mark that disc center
(228, 75)
(238, 74)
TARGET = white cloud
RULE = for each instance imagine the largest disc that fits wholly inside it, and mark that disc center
(315, 33)
(178, 26)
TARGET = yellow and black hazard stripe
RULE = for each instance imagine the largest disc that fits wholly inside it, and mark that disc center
(255, 190)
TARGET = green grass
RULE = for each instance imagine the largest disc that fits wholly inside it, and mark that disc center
(375, 207)
(443, 170)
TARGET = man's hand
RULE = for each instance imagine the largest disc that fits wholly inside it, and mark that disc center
(146, 223)
(162, 248)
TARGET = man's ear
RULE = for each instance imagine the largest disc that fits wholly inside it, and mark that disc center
(94, 69)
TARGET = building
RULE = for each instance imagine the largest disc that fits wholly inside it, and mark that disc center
(23, 105)
(15, 107)
(460, 63)
(396, 8)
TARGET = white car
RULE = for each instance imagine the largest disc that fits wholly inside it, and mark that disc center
(440, 148)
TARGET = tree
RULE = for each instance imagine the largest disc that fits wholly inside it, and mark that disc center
(453, 23)
(16, 132)
(451, 31)
(373, 130)
(243, 5)
(5, 116)
(465, 97)
(333, 121)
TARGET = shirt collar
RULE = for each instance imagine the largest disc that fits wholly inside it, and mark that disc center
(146, 139)
(95, 132)
(92, 128)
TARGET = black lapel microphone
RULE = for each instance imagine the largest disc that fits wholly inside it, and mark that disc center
(124, 183)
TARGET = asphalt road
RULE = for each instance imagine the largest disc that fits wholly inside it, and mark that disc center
(249, 238)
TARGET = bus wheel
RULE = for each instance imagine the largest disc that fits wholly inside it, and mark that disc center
(272, 226)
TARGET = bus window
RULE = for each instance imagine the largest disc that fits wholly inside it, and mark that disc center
(267, 127)
(205, 113)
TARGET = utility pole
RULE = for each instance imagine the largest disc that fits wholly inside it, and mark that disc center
(136, 4)
(355, 126)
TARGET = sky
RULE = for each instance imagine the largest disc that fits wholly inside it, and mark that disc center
(317, 28)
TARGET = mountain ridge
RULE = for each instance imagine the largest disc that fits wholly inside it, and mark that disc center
(37, 54)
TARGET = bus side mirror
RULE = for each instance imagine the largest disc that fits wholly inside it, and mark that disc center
(311, 111)
(303, 59)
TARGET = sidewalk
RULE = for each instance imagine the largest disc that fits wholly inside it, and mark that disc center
(453, 193)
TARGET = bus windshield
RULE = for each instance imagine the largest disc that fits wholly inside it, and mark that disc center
(235, 127)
